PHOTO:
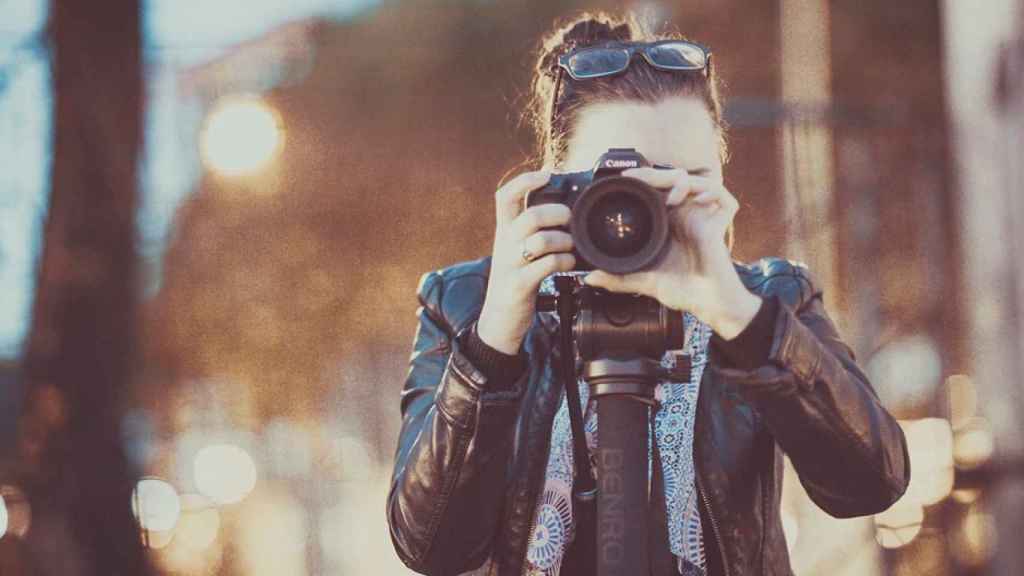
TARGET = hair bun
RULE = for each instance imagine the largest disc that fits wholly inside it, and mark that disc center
(587, 30)
(596, 31)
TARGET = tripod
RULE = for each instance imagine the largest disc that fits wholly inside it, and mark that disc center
(620, 339)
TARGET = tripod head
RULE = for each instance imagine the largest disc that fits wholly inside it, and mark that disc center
(612, 325)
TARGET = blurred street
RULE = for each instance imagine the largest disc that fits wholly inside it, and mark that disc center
(213, 218)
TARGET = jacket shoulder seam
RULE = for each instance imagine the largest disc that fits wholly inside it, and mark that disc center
(442, 278)
(775, 268)
(432, 282)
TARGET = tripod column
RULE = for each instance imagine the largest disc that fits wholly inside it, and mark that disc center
(624, 391)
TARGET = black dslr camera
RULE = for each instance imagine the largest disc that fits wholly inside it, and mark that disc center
(618, 224)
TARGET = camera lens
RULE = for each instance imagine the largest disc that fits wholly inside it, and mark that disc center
(620, 224)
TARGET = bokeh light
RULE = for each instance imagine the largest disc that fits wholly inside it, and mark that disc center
(157, 540)
(963, 399)
(193, 550)
(271, 534)
(966, 495)
(791, 528)
(180, 557)
(907, 371)
(974, 540)
(930, 444)
(341, 537)
(356, 462)
(974, 444)
(3, 516)
(224, 473)
(241, 134)
(156, 505)
(288, 448)
(899, 525)
(353, 534)
(15, 512)
(199, 524)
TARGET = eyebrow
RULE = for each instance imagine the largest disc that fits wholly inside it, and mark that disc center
(703, 171)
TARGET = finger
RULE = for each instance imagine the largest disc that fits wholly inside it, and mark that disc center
(635, 283)
(509, 197)
(693, 185)
(546, 242)
(656, 177)
(730, 201)
(717, 197)
(536, 271)
(706, 197)
(536, 217)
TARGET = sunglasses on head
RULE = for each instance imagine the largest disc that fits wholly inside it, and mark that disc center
(595, 62)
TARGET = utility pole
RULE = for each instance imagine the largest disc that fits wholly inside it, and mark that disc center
(986, 109)
(807, 143)
(79, 359)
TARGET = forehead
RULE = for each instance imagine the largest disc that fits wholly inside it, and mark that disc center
(676, 131)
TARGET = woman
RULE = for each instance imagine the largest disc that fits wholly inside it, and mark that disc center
(484, 463)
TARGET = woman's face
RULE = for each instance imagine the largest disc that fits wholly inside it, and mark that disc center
(676, 131)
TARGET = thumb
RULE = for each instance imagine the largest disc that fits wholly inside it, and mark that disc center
(629, 283)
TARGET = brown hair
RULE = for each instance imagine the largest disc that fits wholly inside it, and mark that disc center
(639, 82)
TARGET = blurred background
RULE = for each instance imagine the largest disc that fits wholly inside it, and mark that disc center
(213, 216)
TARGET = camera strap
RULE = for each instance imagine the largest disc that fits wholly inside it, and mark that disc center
(584, 486)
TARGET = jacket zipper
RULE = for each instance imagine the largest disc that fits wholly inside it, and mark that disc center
(696, 476)
(714, 525)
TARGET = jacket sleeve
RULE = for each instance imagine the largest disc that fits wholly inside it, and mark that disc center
(449, 477)
(848, 451)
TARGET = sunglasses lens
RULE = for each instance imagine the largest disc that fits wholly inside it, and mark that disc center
(593, 63)
(677, 56)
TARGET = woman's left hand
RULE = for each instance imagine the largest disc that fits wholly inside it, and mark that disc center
(697, 273)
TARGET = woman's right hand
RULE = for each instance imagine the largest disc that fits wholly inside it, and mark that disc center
(514, 279)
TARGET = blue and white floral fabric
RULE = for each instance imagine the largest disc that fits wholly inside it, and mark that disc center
(554, 530)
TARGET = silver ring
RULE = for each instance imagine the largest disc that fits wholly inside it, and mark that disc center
(526, 254)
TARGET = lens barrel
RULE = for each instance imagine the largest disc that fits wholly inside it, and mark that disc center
(620, 224)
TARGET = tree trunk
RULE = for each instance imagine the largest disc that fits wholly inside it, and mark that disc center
(80, 353)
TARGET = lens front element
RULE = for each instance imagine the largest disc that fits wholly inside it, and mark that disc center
(620, 224)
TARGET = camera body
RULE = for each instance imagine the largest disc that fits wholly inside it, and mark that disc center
(618, 224)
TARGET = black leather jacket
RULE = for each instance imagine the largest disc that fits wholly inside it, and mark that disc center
(470, 461)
